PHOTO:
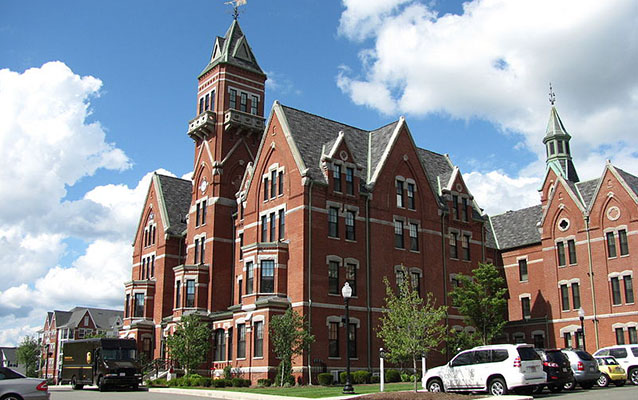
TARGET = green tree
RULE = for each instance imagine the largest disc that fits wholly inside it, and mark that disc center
(190, 343)
(27, 354)
(481, 299)
(461, 340)
(289, 337)
(410, 325)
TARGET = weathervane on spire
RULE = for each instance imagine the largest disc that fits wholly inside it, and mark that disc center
(552, 95)
(236, 4)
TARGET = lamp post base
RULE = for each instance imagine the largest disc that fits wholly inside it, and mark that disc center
(348, 389)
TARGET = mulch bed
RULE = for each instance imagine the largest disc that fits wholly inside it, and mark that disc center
(419, 395)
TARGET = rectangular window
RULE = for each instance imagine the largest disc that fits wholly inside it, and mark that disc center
(333, 277)
(241, 244)
(455, 206)
(232, 103)
(576, 295)
(350, 233)
(333, 339)
(202, 250)
(624, 246)
(273, 184)
(399, 276)
(197, 214)
(522, 271)
(243, 102)
(272, 227)
(259, 339)
(336, 177)
(267, 284)
(414, 237)
(416, 282)
(254, 104)
(568, 340)
(201, 105)
(349, 180)
(611, 245)
(629, 290)
(282, 224)
(552, 149)
(398, 234)
(265, 189)
(564, 295)
(464, 209)
(196, 256)
(333, 227)
(153, 236)
(190, 293)
(240, 287)
(466, 247)
(352, 349)
(633, 335)
(351, 277)
(615, 291)
(454, 245)
(571, 247)
(152, 266)
(203, 205)
(220, 345)
(280, 182)
(411, 200)
(560, 146)
(241, 341)
(138, 308)
(399, 193)
(560, 247)
(264, 228)
(620, 336)
(206, 102)
(178, 294)
(525, 305)
(127, 305)
(250, 277)
(230, 343)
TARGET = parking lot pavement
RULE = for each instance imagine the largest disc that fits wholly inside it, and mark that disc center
(627, 392)
(92, 393)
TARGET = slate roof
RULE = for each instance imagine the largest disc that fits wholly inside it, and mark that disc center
(631, 180)
(103, 318)
(587, 189)
(61, 317)
(517, 228)
(176, 194)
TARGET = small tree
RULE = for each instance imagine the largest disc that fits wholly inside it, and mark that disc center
(289, 337)
(461, 340)
(410, 325)
(481, 299)
(190, 343)
(27, 355)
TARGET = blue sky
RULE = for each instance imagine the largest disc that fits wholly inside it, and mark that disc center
(80, 136)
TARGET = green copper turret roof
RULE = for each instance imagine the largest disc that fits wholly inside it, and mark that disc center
(233, 49)
(558, 152)
(555, 126)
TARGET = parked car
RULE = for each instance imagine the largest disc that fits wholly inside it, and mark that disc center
(610, 370)
(556, 366)
(496, 369)
(15, 386)
(584, 367)
(626, 355)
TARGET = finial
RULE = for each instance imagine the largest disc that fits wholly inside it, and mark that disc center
(236, 4)
(552, 95)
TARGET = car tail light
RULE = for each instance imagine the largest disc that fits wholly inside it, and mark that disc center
(42, 386)
(550, 364)
(517, 362)
(581, 366)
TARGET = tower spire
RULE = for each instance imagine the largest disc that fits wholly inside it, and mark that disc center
(236, 4)
(556, 143)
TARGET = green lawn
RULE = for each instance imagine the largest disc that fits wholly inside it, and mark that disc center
(316, 392)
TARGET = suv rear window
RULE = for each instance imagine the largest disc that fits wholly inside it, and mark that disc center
(584, 355)
(556, 356)
(527, 354)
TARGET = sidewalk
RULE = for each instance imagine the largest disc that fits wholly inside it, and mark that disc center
(220, 394)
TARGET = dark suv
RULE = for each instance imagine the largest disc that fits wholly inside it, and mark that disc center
(584, 367)
(556, 366)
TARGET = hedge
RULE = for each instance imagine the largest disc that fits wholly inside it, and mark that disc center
(325, 379)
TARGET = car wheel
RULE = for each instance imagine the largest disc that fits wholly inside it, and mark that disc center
(101, 385)
(435, 385)
(587, 385)
(633, 375)
(538, 389)
(555, 388)
(497, 387)
(75, 385)
(619, 383)
(603, 381)
(570, 385)
(11, 397)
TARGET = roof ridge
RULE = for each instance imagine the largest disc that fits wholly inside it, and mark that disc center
(327, 119)
(520, 209)
(173, 177)
(433, 152)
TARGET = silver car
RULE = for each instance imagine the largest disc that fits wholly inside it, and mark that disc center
(584, 367)
(15, 386)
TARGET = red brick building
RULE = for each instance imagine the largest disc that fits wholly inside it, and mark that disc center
(282, 212)
(575, 250)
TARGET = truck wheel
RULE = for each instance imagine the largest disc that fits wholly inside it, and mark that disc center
(101, 385)
(497, 387)
(435, 385)
(633, 375)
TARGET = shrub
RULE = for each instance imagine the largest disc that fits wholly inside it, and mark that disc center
(392, 375)
(219, 383)
(161, 382)
(228, 372)
(265, 382)
(375, 379)
(325, 379)
(239, 382)
(361, 376)
(405, 377)
(284, 371)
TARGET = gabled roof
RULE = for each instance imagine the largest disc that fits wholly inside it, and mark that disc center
(61, 317)
(630, 180)
(233, 49)
(175, 196)
(517, 228)
(103, 318)
(586, 190)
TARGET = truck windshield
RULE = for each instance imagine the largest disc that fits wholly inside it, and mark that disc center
(118, 354)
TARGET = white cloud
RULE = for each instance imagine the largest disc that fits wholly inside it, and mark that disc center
(496, 192)
(494, 62)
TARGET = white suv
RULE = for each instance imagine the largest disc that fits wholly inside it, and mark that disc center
(496, 369)
(627, 356)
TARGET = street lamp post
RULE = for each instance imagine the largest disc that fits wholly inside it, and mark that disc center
(382, 373)
(581, 315)
(346, 292)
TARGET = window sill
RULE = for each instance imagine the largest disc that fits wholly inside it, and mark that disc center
(258, 358)
(415, 251)
(334, 358)
(351, 240)
(240, 359)
(525, 281)
(399, 248)
(624, 255)
(617, 305)
(334, 237)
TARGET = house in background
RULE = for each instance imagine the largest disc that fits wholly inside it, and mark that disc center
(9, 359)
